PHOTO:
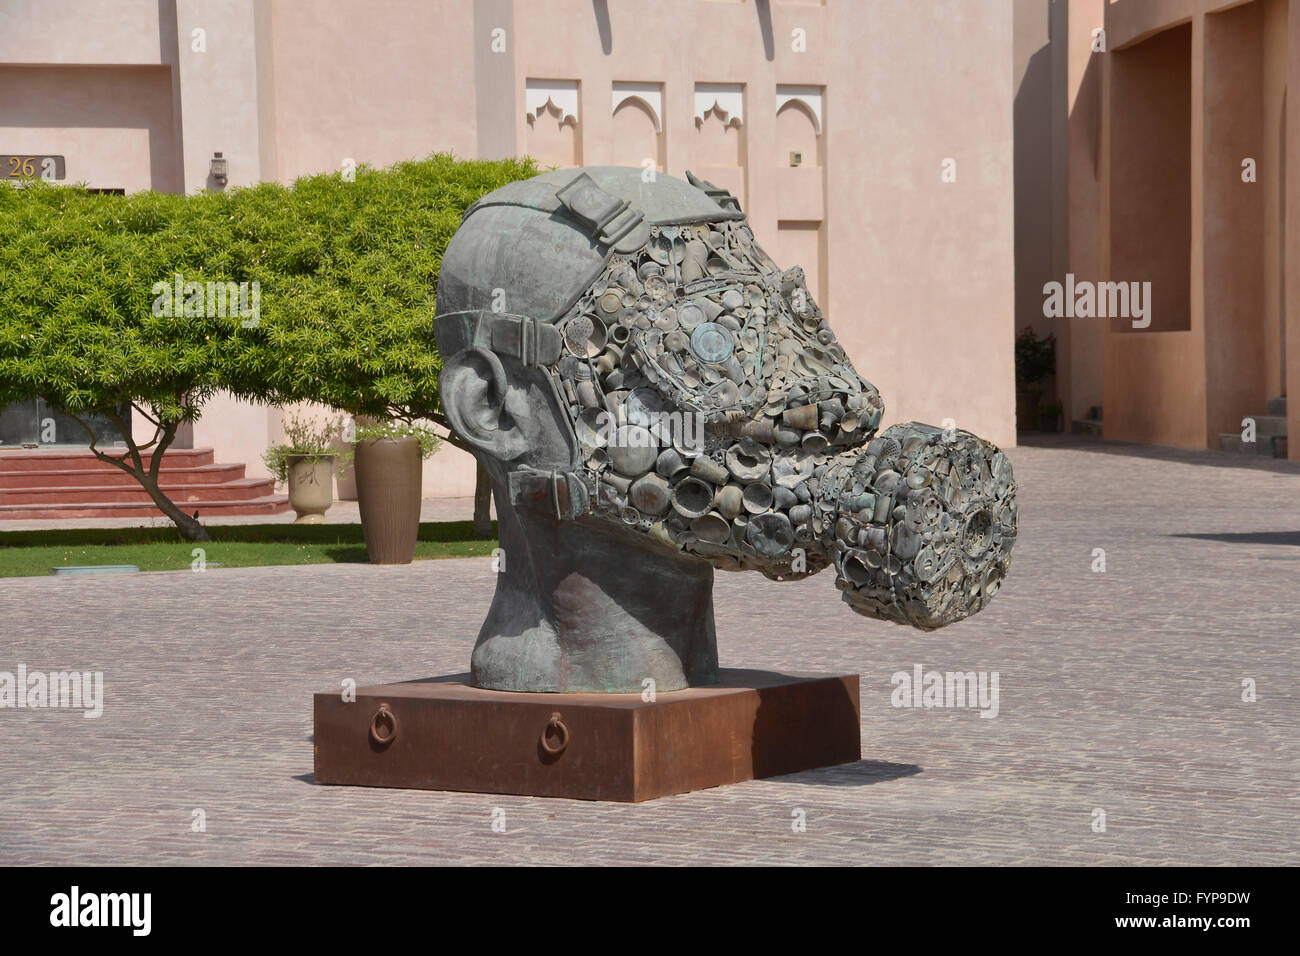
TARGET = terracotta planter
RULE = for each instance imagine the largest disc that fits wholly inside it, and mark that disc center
(311, 487)
(388, 495)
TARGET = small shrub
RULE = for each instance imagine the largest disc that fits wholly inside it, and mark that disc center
(393, 430)
(306, 438)
(1035, 357)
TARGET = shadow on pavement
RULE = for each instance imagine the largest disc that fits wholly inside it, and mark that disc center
(1248, 537)
(860, 774)
(1190, 456)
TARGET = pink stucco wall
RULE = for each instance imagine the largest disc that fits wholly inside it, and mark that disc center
(915, 273)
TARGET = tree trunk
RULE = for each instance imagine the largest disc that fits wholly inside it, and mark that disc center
(187, 525)
(482, 504)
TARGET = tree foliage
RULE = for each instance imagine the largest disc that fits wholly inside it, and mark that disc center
(345, 270)
(349, 272)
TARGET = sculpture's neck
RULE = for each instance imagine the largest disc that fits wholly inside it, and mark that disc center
(585, 606)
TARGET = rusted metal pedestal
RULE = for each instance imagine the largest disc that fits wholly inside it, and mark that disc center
(443, 734)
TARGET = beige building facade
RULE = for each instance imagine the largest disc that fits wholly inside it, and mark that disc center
(870, 141)
(1179, 132)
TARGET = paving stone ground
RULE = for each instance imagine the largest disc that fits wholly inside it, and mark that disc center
(1119, 691)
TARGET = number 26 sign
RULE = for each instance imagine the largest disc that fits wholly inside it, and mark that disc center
(32, 167)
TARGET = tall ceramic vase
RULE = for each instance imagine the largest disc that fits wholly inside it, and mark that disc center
(311, 486)
(388, 495)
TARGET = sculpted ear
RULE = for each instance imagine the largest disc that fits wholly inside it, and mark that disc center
(473, 387)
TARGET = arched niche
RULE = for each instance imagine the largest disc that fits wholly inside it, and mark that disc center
(552, 137)
(721, 139)
(797, 132)
(635, 134)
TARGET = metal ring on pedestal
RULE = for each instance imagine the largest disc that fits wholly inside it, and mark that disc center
(383, 726)
(562, 733)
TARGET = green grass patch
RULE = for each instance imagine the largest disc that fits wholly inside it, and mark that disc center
(29, 553)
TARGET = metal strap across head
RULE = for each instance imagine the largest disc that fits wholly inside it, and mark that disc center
(561, 493)
(532, 343)
(518, 336)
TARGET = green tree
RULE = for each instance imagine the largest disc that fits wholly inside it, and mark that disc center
(77, 323)
(340, 276)
(349, 277)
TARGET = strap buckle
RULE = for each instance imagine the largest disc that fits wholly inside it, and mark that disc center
(561, 492)
(608, 218)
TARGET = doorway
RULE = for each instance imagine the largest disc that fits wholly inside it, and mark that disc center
(34, 422)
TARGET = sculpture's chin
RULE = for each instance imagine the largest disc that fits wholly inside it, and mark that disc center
(925, 524)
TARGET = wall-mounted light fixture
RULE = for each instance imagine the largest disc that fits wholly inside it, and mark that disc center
(219, 168)
(796, 158)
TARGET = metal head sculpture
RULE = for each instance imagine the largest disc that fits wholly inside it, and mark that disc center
(654, 398)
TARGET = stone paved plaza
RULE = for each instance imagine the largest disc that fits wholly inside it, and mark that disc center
(1119, 691)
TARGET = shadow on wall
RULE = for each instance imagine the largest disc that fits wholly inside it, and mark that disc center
(1039, 144)
(764, 10)
(601, 9)
(1033, 191)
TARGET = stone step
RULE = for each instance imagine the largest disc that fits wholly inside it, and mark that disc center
(268, 505)
(1086, 426)
(1277, 406)
(113, 477)
(72, 483)
(1269, 425)
(1265, 446)
(241, 489)
(78, 459)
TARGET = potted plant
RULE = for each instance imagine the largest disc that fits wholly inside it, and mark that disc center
(305, 462)
(1050, 415)
(389, 465)
(1035, 361)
